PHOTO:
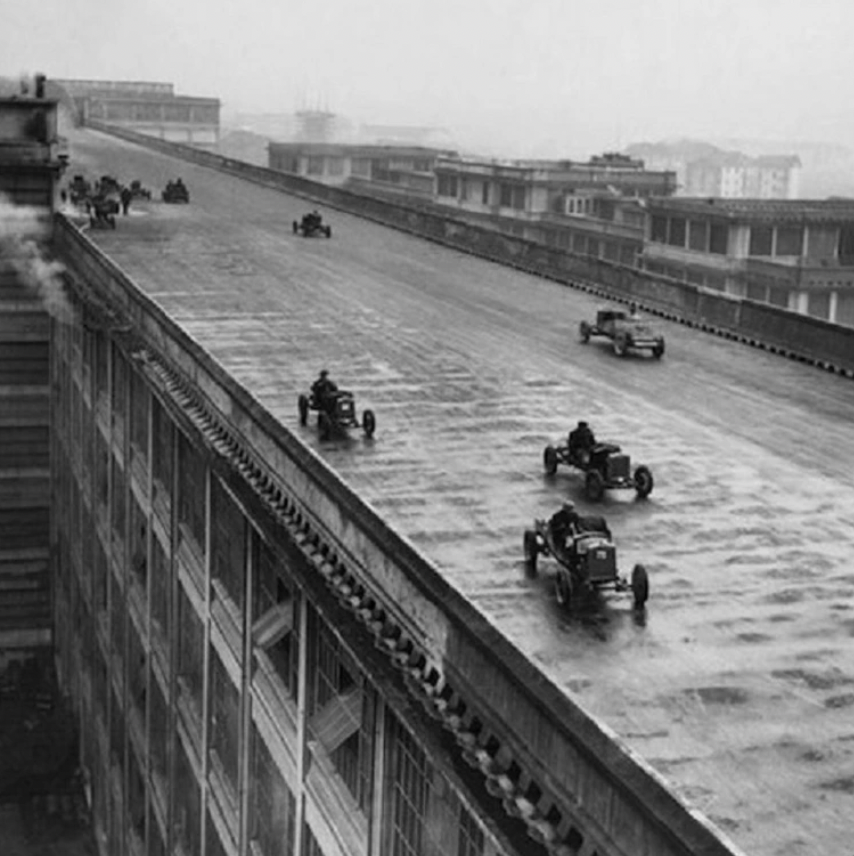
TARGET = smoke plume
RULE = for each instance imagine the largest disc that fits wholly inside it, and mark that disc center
(23, 233)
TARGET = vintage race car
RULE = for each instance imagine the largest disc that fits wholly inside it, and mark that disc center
(625, 330)
(586, 561)
(312, 224)
(605, 467)
(336, 412)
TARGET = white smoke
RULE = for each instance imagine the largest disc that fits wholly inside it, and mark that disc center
(23, 234)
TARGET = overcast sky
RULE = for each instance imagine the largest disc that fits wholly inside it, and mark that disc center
(546, 77)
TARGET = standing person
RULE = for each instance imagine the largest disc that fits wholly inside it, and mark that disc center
(126, 196)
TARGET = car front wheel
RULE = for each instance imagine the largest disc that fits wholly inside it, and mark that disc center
(563, 590)
(531, 549)
(550, 460)
(640, 586)
(594, 486)
(643, 482)
(369, 423)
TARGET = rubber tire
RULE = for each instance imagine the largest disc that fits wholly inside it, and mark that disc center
(644, 481)
(324, 426)
(295, 227)
(640, 586)
(550, 460)
(584, 332)
(594, 486)
(369, 423)
(620, 348)
(658, 350)
(328, 231)
(302, 406)
(563, 590)
(531, 549)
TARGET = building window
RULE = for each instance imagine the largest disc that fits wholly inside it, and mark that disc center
(447, 185)
(192, 473)
(658, 229)
(272, 810)
(343, 713)
(138, 419)
(335, 165)
(187, 813)
(761, 240)
(191, 651)
(162, 464)
(484, 193)
(698, 235)
(224, 722)
(315, 164)
(228, 536)
(276, 617)
(512, 196)
(718, 238)
(818, 305)
(161, 594)
(464, 189)
(676, 234)
(790, 241)
(361, 167)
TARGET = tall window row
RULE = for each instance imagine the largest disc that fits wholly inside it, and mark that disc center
(220, 712)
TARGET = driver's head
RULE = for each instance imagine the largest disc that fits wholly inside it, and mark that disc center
(568, 508)
(582, 425)
(324, 373)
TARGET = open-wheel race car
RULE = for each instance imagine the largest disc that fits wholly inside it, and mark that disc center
(336, 412)
(137, 191)
(586, 560)
(311, 224)
(102, 212)
(79, 190)
(625, 330)
(175, 192)
(605, 465)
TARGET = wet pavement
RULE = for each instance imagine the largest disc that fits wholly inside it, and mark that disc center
(737, 682)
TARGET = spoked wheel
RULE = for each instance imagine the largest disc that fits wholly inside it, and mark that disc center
(620, 348)
(563, 590)
(302, 404)
(324, 426)
(550, 460)
(369, 423)
(643, 482)
(658, 350)
(640, 586)
(328, 231)
(531, 549)
(584, 332)
(594, 486)
(295, 227)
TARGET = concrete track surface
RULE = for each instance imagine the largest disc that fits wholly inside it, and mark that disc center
(737, 682)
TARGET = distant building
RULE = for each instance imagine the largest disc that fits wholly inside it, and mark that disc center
(399, 170)
(315, 126)
(703, 169)
(594, 208)
(794, 254)
(148, 108)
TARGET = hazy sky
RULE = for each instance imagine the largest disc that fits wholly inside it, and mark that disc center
(524, 76)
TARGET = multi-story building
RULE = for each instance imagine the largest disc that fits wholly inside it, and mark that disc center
(594, 208)
(795, 254)
(147, 107)
(397, 169)
(731, 175)
(30, 162)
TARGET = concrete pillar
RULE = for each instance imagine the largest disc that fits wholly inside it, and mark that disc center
(831, 310)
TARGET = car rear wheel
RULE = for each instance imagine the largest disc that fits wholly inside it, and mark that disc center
(643, 482)
(640, 586)
(328, 231)
(594, 486)
(302, 404)
(620, 347)
(658, 350)
(532, 549)
(369, 423)
(550, 460)
(584, 331)
(295, 227)
(563, 590)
